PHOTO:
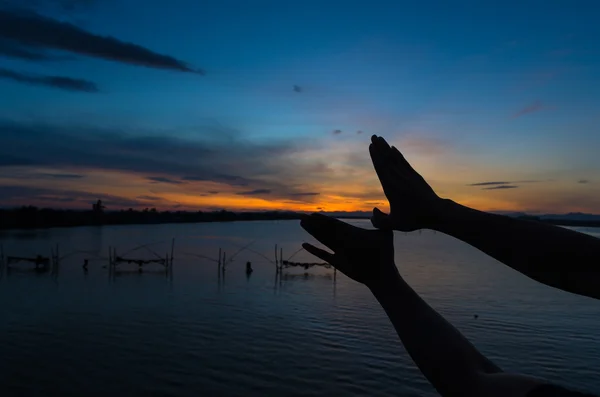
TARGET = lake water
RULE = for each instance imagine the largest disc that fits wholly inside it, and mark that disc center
(201, 334)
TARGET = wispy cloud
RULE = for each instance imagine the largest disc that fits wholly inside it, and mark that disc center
(500, 187)
(304, 194)
(33, 29)
(149, 198)
(255, 192)
(499, 184)
(61, 176)
(488, 183)
(60, 82)
(161, 179)
(583, 181)
(531, 108)
(337, 132)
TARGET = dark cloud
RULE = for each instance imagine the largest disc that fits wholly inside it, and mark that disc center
(64, 5)
(531, 108)
(583, 181)
(501, 187)
(61, 176)
(337, 132)
(13, 196)
(488, 183)
(149, 198)
(233, 180)
(506, 184)
(60, 82)
(210, 156)
(29, 28)
(255, 192)
(55, 199)
(11, 49)
(162, 179)
(304, 194)
(359, 132)
(213, 192)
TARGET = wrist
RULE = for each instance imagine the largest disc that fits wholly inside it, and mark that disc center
(385, 280)
(442, 214)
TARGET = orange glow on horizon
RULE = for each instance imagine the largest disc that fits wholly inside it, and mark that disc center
(359, 191)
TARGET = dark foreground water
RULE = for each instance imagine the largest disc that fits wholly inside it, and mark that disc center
(198, 334)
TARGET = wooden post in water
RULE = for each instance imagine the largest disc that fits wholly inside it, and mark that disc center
(224, 257)
(172, 249)
(281, 258)
(55, 261)
(114, 263)
(219, 262)
(52, 259)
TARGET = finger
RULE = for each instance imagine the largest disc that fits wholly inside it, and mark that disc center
(319, 253)
(380, 142)
(325, 229)
(386, 178)
(381, 220)
(390, 157)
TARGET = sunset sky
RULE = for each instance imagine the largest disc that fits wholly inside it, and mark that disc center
(250, 105)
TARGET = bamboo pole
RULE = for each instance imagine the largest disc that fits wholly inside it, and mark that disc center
(172, 249)
(276, 262)
(281, 257)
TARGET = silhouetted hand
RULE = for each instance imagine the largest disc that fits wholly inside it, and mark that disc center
(413, 203)
(366, 256)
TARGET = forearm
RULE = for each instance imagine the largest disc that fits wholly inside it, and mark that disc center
(446, 358)
(552, 255)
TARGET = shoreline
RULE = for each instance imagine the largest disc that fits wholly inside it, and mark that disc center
(49, 219)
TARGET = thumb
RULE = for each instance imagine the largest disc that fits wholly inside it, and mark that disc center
(381, 220)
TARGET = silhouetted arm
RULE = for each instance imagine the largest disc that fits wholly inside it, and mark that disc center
(447, 359)
(552, 255)
(549, 254)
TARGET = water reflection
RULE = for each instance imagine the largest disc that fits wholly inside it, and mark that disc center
(150, 334)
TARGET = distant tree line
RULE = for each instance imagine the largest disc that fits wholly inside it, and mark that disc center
(562, 222)
(29, 217)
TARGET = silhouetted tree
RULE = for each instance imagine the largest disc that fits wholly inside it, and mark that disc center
(98, 207)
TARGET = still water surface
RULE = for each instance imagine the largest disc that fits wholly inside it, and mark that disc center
(198, 333)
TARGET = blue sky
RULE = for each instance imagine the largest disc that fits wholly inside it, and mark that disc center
(470, 92)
